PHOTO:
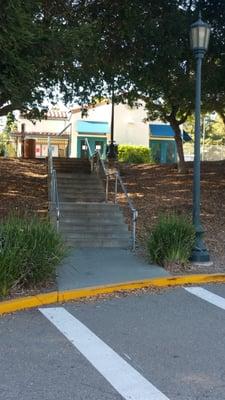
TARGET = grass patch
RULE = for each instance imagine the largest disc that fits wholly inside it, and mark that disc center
(30, 249)
(171, 240)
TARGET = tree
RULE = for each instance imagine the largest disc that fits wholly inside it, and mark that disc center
(214, 69)
(143, 47)
(36, 42)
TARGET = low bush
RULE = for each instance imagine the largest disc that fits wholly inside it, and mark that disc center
(29, 251)
(171, 240)
(134, 154)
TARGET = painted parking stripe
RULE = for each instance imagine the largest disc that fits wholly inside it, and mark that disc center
(207, 296)
(128, 382)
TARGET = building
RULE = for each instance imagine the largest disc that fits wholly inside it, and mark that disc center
(68, 132)
(129, 127)
(36, 133)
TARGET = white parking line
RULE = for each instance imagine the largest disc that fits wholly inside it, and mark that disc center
(128, 382)
(207, 296)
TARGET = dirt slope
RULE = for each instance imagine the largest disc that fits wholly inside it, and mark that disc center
(157, 189)
(23, 186)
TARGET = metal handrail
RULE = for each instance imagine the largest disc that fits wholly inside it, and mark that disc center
(133, 210)
(96, 158)
(53, 187)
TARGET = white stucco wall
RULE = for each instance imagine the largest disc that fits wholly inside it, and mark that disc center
(52, 126)
(129, 127)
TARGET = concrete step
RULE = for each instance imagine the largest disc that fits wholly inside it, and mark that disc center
(74, 170)
(76, 216)
(81, 185)
(88, 181)
(89, 207)
(111, 243)
(77, 193)
(78, 220)
(90, 229)
(71, 161)
(80, 198)
(97, 235)
(84, 190)
(73, 175)
(69, 213)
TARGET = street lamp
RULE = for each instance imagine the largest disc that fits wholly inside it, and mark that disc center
(112, 149)
(199, 35)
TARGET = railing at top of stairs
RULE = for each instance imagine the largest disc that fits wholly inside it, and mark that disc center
(96, 160)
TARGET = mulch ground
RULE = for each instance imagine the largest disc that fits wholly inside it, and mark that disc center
(156, 189)
(23, 187)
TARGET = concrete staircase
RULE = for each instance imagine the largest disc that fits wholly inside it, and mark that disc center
(86, 220)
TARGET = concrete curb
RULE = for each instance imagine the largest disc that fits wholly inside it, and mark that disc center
(23, 303)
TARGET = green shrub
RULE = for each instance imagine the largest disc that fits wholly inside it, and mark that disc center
(29, 251)
(171, 240)
(134, 154)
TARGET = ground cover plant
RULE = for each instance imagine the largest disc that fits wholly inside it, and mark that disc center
(30, 249)
(171, 240)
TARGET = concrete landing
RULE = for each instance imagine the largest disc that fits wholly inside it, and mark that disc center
(92, 267)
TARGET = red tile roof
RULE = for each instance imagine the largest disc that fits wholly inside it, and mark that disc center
(52, 114)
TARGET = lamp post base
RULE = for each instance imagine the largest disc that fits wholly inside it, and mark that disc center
(199, 256)
(199, 252)
(112, 153)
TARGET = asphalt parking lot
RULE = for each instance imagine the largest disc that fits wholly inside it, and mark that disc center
(167, 344)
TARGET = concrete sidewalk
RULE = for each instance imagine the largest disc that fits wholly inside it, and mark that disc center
(88, 267)
(90, 272)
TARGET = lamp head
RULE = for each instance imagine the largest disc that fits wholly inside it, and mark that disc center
(199, 36)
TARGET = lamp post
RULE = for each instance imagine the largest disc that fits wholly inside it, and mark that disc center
(112, 150)
(199, 35)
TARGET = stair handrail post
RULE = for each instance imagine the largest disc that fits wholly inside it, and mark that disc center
(134, 222)
(52, 186)
(116, 187)
(107, 188)
(50, 169)
(92, 164)
(55, 198)
(132, 208)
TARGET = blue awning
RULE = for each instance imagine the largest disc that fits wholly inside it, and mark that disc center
(92, 127)
(159, 130)
(165, 131)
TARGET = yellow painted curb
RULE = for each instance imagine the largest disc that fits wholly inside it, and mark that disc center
(64, 296)
(22, 303)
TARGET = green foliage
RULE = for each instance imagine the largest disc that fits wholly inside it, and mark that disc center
(134, 154)
(171, 240)
(37, 52)
(214, 131)
(29, 251)
(5, 147)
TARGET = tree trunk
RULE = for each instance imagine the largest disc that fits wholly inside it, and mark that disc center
(222, 116)
(182, 167)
